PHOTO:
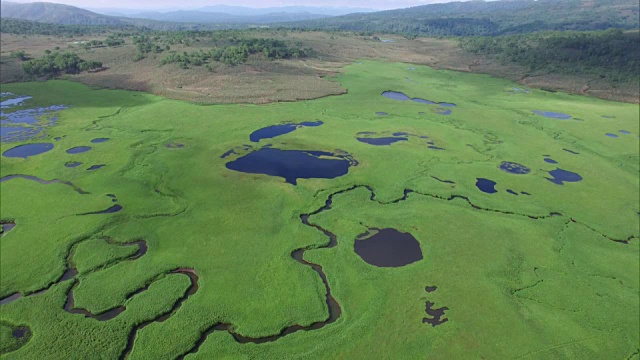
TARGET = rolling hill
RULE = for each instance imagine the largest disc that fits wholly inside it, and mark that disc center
(489, 18)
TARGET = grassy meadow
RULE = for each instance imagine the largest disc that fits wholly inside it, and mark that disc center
(553, 274)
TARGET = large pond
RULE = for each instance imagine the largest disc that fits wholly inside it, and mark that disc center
(388, 248)
(293, 164)
(27, 150)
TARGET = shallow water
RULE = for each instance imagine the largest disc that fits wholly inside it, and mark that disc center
(9, 103)
(99, 140)
(624, 132)
(514, 168)
(388, 248)
(512, 192)
(552, 115)
(292, 164)
(24, 151)
(611, 135)
(442, 111)
(550, 160)
(382, 113)
(25, 124)
(394, 95)
(486, 185)
(96, 167)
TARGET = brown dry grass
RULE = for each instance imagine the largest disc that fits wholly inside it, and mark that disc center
(262, 81)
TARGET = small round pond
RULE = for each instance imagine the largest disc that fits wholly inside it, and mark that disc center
(388, 248)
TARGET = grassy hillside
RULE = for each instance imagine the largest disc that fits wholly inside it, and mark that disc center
(489, 18)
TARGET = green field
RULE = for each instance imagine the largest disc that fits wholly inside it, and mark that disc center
(553, 274)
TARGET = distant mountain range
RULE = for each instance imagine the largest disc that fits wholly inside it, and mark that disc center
(218, 14)
(240, 10)
(472, 18)
(488, 18)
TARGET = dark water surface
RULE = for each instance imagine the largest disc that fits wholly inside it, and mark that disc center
(388, 248)
(560, 176)
(486, 185)
(292, 164)
(277, 130)
(24, 151)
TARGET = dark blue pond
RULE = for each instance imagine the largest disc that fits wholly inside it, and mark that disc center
(512, 192)
(611, 135)
(73, 164)
(514, 168)
(388, 248)
(24, 151)
(433, 147)
(525, 193)
(624, 132)
(382, 140)
(552, 115)
(560, 176)
(486, 185)
(291, 164)
(99, 140)
(277, 130)
(78, 149)
(96, 167)
(394, 95)
(550, 160)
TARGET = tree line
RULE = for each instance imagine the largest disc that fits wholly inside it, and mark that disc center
(238, 51)
(58, 63)
(611, 54)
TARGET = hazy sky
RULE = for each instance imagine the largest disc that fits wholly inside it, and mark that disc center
(156, 4)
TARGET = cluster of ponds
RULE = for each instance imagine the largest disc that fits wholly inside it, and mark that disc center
(27, 150)
(558, 176)
(384, 139)
(24, 124)
(437, 315)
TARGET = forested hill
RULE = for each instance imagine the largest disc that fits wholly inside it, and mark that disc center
(484, 18)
